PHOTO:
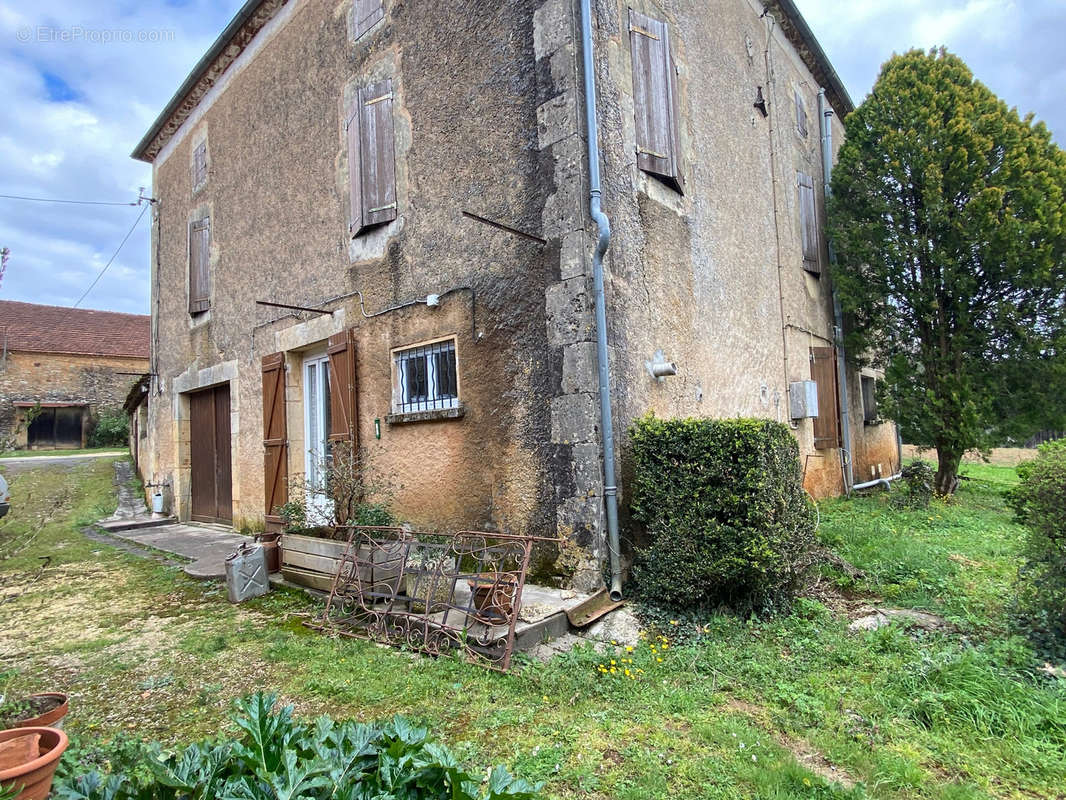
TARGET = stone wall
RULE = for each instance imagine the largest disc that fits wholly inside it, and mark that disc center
(277, 195)
(97, 382)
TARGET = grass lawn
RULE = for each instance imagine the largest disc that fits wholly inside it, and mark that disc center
(792, 707)
(76, 452)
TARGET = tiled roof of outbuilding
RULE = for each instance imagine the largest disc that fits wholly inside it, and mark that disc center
(56, 329)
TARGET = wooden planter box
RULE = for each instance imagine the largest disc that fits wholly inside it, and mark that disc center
(313, 562)
(310, 561)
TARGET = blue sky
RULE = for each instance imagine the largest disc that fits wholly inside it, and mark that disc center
(78, 89)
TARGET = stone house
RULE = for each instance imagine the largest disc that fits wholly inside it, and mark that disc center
(60, 367)
(373, 226)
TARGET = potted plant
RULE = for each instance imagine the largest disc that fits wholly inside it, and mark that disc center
(28, 760)
(428, 579)
(35, 710)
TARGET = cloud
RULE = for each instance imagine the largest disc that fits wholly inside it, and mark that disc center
(79, 85)
(1012, 46)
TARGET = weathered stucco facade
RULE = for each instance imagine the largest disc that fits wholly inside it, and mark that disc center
(488, 125)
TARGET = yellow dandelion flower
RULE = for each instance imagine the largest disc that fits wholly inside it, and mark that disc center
(666, 647)
(612, 662)
(627, 671)
(629, 648)
(613, 670)
(659, 660)
(674, 622)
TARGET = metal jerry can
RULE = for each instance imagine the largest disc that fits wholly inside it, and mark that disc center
(246, 573)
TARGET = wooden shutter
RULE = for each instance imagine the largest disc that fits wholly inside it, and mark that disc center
(199, 266)
(372, 157)
(824, 373)
(808, 223)
(275, 441)
(801, 115)
(655, 100)
(342, 419)
(366, 14)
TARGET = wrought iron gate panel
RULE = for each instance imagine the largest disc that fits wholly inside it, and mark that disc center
(434, 593)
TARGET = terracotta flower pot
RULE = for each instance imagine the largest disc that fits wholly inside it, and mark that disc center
(34, 777)
(51, 717)
(494, 596)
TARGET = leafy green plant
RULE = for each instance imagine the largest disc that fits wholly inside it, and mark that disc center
(727, 519)
(280, 758)
(110, 429)
(293, 515)
(917, 486)
(1039, 503)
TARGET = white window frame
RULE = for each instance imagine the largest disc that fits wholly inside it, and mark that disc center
(404, 404)
(316, 437)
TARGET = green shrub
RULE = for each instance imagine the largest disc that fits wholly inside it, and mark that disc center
(917, 485)
(723, 505)
(110, 429)
(279, 757)
(373, 514)
(1039, 503)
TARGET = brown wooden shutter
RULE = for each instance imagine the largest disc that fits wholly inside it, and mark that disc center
(824, 373)
(275, 437)
(199, 266)
(801, 115)
(808, 223)
(342, 420)
(655, 100)
(366, 14)
(372, 157)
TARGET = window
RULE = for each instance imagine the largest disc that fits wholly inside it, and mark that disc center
(426, 378)
(371, 158)
(199, 266)
(824, 374)
(316, 436)
(869, 399)
(199, 165)
(801, 115)
(365, 15)
(808, 213)
(655, 101)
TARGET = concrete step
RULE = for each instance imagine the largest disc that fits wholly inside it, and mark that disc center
(134, 523)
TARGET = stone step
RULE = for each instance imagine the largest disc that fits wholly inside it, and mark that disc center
(134, 523)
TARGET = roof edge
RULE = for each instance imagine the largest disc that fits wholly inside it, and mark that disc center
(835, 88)
(140, 152)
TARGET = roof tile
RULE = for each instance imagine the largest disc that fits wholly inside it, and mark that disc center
(56, 329)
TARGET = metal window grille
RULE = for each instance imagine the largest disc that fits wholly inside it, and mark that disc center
(427, 377)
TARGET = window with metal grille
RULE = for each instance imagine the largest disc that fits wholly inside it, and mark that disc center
(426, 377)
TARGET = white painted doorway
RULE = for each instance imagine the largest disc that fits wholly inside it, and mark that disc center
(316, 438)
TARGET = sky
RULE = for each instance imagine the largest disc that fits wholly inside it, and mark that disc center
(80, 84)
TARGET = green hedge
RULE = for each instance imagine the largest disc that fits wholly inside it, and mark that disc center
(726, 516)
(1039, 503)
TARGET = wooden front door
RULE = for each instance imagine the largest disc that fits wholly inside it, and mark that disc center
(210, 455)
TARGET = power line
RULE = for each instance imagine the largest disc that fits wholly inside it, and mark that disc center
(113, 257)
(73, 202)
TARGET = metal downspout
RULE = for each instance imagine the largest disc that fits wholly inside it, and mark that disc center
(603, 225)
(825, 117)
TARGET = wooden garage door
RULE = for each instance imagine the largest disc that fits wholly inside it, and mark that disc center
(210, 456)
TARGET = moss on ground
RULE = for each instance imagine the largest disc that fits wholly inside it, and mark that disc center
(792, 707)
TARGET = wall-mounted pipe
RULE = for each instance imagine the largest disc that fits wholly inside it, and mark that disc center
(825, 117)
(603, 226)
